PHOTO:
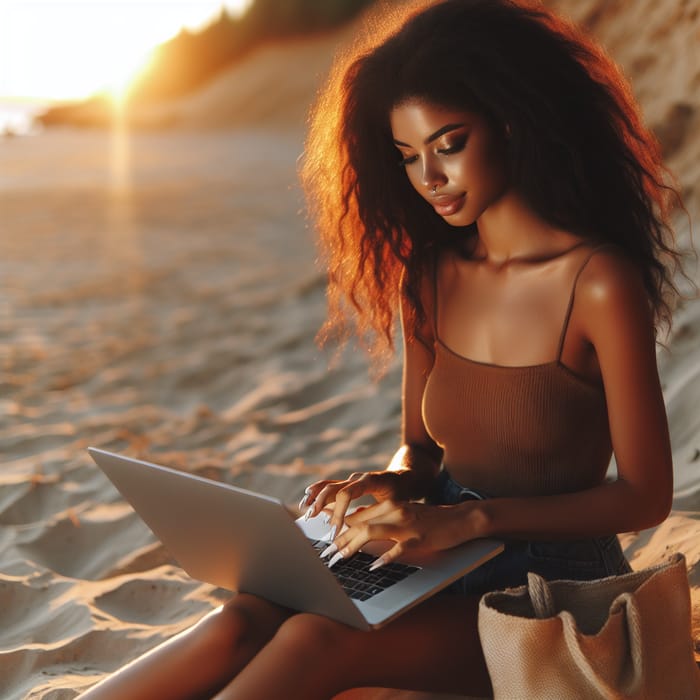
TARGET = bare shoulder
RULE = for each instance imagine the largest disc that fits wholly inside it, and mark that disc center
(611, 294)
(609, 274)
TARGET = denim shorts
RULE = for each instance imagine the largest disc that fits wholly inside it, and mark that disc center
(580, 560)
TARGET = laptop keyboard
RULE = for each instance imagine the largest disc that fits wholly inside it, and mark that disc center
(358, 581)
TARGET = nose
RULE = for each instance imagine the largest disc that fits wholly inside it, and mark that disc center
(432, 176)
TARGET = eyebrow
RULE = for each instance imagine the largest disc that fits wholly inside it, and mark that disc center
(441, 131)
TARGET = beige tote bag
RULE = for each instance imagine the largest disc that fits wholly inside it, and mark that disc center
(624, 636)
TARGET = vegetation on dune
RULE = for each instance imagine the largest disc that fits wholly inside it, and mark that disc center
(191, 59)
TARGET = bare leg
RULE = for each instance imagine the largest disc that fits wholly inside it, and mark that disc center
(199, 661)
(434, 647)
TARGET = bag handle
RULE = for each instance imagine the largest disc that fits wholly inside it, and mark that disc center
(543, 606)
(540, 596)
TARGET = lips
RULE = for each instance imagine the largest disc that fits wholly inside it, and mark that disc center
(447, 205)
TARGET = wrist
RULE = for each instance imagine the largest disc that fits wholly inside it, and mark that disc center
(414, 484)
(476, 519)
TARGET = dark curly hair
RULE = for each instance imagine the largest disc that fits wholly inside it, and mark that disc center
(578, 152)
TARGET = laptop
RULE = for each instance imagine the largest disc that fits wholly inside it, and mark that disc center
(248, 542)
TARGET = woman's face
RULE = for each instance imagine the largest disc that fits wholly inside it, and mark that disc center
(455, 160)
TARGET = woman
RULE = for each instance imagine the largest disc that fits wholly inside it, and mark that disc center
(482, 168)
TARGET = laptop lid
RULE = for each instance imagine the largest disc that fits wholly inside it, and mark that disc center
(247, 542)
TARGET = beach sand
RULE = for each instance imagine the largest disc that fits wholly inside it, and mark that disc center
(159, 297)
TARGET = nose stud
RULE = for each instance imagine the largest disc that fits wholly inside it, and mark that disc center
(434, 189)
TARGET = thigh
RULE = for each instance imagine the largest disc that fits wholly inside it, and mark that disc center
(434, 647)
(200, 660)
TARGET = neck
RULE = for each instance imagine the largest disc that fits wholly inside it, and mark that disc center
(510, 231)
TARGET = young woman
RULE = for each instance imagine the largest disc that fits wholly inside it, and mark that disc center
(481, 169)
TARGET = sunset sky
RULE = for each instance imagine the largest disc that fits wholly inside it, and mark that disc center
(69, 50)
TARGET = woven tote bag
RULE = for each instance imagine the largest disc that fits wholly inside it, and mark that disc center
(625, 636)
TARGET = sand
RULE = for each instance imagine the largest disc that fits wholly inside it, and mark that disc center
(159, 297)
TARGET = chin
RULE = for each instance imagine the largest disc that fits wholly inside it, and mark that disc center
(459, 220)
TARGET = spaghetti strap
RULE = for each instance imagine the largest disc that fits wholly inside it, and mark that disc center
(570, 306)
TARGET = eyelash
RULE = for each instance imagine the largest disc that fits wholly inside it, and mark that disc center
(455, 148)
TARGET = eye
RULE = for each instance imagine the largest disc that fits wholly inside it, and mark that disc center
(455, 147)
(407, 161)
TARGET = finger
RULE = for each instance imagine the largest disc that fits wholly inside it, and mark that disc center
(367, 513)
(387, 512)
(352, 540)
(343, 497)
(308, 497)
(310, 493)
(324, 496)
(357, 485)
(389, 556)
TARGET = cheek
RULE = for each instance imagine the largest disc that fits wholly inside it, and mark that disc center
(458, 170)
(414, 177)
(493, 156)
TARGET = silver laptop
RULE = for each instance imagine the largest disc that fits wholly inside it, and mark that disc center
(247, 542)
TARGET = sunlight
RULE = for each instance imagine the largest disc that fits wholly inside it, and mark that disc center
(120, 76)
(120, 155)
(70, 50)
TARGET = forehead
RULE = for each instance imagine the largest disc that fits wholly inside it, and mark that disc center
(417, 119)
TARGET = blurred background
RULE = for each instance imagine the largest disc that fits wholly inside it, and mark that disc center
(155, 258)
(159, 295)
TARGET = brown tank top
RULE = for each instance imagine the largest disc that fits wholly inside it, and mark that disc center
(517, 431)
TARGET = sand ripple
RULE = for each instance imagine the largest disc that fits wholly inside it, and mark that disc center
(167, 310)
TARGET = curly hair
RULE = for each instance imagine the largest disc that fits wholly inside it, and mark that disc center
(578, 152)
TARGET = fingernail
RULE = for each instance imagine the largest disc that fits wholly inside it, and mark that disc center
(336, 558)
(303, 501)
(307, 490)
(331, 533)
(330, 549)
(379, 561)
(307, 515)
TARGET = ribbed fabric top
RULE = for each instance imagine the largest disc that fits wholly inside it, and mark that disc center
(511, 431)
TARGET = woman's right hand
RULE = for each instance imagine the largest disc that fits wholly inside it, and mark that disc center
(381, 485)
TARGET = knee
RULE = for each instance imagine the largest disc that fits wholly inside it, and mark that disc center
(314, 636)
(229, 627)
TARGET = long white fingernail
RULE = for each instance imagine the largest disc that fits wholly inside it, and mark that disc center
(303, 501)
(336, 558)
(331, 533)
(379, 561)
(307, 515)
(330, 549)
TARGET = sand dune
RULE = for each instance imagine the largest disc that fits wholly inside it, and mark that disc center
(159, 297)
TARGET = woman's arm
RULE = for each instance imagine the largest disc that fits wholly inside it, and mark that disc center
(419, 453)
(613, 314)
(413, 468)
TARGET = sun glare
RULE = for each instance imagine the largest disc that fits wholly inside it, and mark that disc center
(70, 50)
(122, 73)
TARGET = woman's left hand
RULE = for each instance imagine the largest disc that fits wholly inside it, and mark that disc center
(414, 527)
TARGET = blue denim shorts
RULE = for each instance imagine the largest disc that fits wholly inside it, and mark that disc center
(580, 560)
